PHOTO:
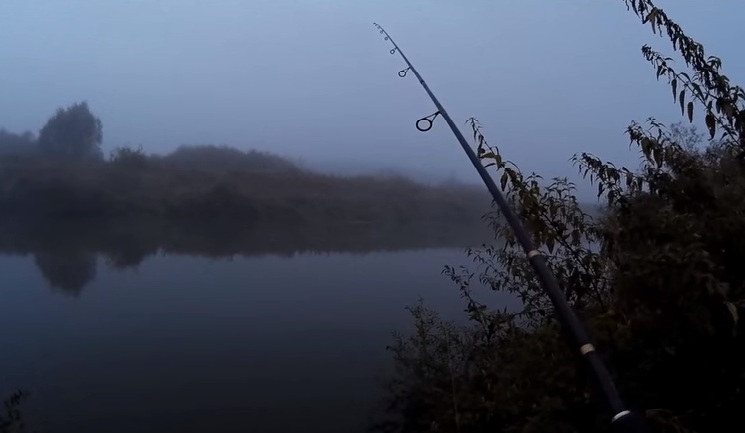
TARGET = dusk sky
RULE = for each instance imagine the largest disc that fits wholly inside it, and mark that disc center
(314, 80)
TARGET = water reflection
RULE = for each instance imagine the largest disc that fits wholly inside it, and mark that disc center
(66, 251)
(264, 343)
(69, 272)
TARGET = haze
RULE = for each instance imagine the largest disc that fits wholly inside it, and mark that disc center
(313, 79)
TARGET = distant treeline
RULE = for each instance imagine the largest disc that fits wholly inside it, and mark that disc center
(63, 173)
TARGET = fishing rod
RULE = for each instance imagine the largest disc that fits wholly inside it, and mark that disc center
(623, 420)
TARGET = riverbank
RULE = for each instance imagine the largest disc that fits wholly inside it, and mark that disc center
(209, 188)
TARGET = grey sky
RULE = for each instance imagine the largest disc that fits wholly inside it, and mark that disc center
(314, 79)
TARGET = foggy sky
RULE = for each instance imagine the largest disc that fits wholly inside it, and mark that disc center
(314, 80)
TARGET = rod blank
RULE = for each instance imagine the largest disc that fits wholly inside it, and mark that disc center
(622, 419)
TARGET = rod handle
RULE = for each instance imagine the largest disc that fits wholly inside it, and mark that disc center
(630, 422)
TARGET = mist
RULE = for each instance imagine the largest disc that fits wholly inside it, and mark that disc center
(313, 81)
(220, 216)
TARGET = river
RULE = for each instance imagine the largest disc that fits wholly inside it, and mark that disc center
(264, 342)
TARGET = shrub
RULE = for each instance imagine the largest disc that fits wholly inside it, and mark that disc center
(655, 276)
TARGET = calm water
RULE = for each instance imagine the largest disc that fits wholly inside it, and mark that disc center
(265, 343)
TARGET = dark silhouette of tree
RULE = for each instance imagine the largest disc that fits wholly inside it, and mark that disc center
(16, 144)
(73, 133)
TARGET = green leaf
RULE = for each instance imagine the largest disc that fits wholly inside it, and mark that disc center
(733, 311)
(690, 111)
(646, 145)
(651, 18)
(503, 180)
(711, 124)
(681, 99)
(674, 83)
(728, 109)
(697, 90)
